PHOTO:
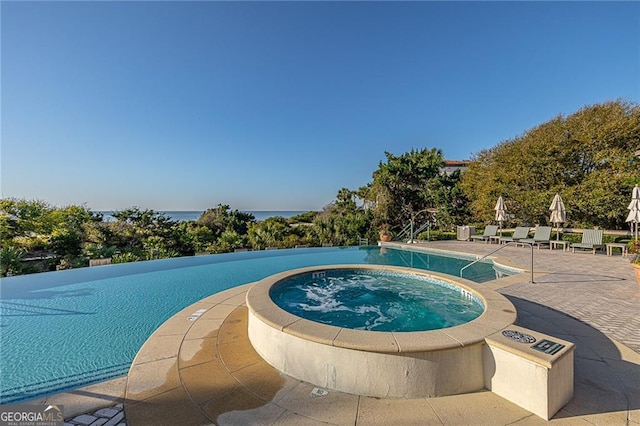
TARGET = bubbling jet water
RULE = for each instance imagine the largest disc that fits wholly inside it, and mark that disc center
(376, 300)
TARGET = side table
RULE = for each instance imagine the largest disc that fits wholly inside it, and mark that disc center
(557, 243)
(624, 250)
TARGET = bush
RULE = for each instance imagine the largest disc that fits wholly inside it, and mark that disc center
(307, 217)
(125, 257)
(576, 238)
(11, 261)
(437, 236)
(572, 238)
(70, 262)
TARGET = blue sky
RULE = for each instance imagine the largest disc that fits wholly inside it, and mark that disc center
(278, 105)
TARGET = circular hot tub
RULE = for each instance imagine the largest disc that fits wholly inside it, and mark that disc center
(356, 357)
(376, 300)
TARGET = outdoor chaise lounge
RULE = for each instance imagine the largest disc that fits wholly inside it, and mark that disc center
(520, 233)
(489, 231)
(591, 240)
(540, 237)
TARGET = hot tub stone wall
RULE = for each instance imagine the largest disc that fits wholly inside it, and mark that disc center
(379, 374)
(380, 364)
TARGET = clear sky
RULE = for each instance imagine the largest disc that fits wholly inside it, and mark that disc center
(278, 105)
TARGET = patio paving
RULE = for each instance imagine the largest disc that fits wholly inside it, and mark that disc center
(206, 372)
(599, 290)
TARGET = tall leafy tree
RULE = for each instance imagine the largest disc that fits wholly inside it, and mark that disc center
(268, 233)
(412, 186)
(147, 234)
(588, 157)
(343, 222)
(221, 218)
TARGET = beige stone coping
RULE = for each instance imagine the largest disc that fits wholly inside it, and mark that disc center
(498, 314)
(189, 361)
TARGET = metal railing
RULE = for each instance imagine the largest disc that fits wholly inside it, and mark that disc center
(426, 226)
(404, 233)
(408, 232)
(497, 250)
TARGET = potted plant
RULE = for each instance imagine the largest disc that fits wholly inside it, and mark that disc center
(385, 234)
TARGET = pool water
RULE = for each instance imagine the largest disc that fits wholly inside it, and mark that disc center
(376, 300)
(64, 329)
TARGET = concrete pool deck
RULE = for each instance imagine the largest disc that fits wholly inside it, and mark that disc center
(199, 367)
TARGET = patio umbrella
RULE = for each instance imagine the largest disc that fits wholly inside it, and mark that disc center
(501, 212)
(634, 210)
(558, 213)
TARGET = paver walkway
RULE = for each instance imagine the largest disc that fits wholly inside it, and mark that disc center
(599, 290)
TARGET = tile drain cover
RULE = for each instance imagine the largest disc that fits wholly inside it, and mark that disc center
(318, 392)
(519, 337)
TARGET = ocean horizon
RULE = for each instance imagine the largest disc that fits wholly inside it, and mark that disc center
(192, 215)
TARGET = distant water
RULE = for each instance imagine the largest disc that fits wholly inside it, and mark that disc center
(187, 215)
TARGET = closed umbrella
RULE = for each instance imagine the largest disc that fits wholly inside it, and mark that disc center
(501, 212)
(634, 210)
(558, 213)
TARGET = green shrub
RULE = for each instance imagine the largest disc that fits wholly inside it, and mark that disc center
(572, 237)
(125, 257)
(577, 237)
(71, 262)
(436, 235)
(11, 261)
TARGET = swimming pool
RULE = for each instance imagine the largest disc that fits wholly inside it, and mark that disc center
(65, 329)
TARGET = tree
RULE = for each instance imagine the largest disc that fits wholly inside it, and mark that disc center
(268, 233)
(413, 186)
(11, 261)
(197, 238)
(587, 157)
(228, 228)
(56, 235)
(69, 230)
(222, 218)
(147, 235)
(343, 222)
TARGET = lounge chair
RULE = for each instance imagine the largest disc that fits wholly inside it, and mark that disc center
(520, 233)
(489, 231)
(591, 240)
(541, 236)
